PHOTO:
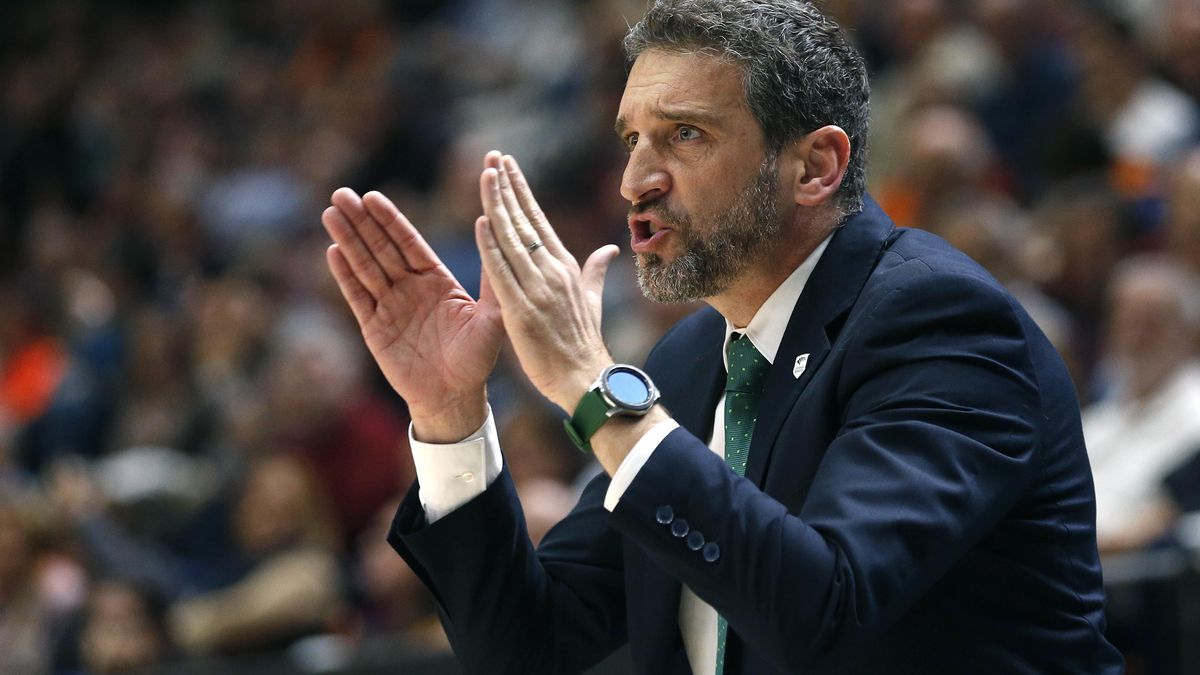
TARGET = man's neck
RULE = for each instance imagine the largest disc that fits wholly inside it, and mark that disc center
(746, 295)
(742, 300)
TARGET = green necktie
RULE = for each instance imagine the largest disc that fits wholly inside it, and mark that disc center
(743, 388)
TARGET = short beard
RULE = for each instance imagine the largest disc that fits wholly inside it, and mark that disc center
(710, 263)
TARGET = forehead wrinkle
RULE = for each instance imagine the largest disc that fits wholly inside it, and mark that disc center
(676, 99)
(686, 113)
(689, 112)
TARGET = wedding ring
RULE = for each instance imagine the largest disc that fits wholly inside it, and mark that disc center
(534, 246)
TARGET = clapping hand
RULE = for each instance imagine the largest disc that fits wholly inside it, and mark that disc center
(435, 344)
(551, 306)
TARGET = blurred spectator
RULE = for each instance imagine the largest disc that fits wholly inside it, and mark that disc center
(158, 404)
(1149, 425)
(1029, 88)
(293, 587)
(932, 60)
(1078, 226)
(267, 576)
(1143, 120)
(229, 318)
(947, 161)
(123, 630)
(26, 614)
(320, 411)
(32, 358)
(79, 416)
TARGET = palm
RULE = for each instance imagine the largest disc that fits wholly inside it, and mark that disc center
(430, 338)
(432, 341)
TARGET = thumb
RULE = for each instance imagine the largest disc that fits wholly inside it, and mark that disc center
(594, 270)
(487, 295)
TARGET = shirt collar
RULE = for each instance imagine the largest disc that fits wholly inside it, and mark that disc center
(766, 329)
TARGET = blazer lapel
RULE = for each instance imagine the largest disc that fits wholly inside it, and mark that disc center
(692, 383)
(828, 295)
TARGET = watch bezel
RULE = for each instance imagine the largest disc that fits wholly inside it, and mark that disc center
(618, 406)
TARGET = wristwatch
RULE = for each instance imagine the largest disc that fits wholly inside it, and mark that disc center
(620, 390)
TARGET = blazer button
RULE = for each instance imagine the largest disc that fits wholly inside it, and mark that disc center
(664, 515)
(695, 540)
(679, 528)
(711, 552)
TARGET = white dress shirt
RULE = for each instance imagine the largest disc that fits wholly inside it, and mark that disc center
(453, 474)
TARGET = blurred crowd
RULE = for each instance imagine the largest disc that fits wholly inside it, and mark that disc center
(197, 456)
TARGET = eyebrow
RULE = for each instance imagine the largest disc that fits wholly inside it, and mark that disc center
(697, 115)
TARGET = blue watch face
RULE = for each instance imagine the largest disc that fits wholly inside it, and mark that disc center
(628, 388)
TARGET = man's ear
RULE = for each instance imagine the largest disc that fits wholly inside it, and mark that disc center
(821, 158)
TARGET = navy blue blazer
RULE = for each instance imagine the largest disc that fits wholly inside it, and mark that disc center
(917, 501)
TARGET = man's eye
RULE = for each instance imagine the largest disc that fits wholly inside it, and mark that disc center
(630, 141)
(688, 134)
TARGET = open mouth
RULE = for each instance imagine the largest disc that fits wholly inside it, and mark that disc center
(646, 233)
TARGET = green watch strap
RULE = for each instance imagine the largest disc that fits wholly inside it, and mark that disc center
(590, 415)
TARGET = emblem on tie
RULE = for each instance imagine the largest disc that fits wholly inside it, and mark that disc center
(801, 364)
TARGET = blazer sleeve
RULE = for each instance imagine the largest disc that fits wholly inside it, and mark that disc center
(506, 607)
(934, 446)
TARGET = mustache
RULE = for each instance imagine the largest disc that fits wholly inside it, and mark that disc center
(661, 210)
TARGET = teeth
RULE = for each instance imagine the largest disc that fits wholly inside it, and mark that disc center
(651, 227)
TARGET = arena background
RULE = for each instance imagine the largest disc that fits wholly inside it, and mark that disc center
(198, 459)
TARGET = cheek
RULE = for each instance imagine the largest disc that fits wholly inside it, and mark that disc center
(705, 201)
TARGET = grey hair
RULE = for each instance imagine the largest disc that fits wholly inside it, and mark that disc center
(800, 72)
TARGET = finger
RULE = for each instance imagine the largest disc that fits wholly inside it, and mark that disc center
(508, 242)
(520, 222)
(500, 279)
(595, 268)
(358, 258)
(377, 241)
(533, 212)
(419, 255)
(361, 302)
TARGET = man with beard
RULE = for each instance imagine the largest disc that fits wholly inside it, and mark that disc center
(866, 458)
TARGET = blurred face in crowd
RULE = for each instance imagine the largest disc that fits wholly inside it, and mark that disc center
(120, 634)
(915, 23)
(312, 378)
(705, 193)
(1145, 318)
(276, 502)
(946, 151)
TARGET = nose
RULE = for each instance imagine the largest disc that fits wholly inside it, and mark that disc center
(645, 179)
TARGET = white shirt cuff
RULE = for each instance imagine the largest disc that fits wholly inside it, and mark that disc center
(635, 460)
(455, 473)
